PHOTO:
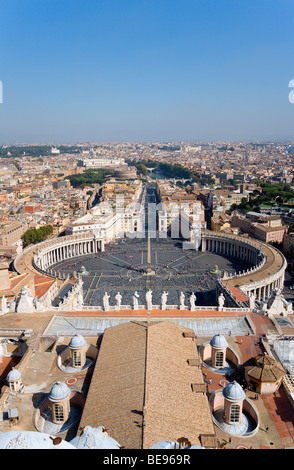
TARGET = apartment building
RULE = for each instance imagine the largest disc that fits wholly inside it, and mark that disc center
(264, 228)
(11, 233)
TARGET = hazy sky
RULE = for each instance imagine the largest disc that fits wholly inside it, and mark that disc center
(146, 70)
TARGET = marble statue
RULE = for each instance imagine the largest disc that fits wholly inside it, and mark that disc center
(164, 300)
(221, 301)
(193, 301)
(136, 300)
(182, 301)
(106, 301)
(149, 299)
(252, 299)
(118, 299)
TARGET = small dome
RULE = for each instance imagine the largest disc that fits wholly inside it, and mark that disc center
(77, 342)
(13, 375)
(59, 392)
(218, 341)
(234, 392)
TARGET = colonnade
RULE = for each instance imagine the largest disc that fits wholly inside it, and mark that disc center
(263, 292)
(65, 248)
(231, 247)
(266, 271)
(259, 283)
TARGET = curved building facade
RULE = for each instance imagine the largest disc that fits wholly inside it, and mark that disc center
(268, 264)
(266, 271)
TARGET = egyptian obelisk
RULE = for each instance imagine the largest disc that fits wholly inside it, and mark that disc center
(149, 271)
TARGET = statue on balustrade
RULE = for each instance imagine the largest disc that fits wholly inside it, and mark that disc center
(136, 300)
(193, 301)
(106, 301)
(252, 299)
(221, 301)
(182, 301)
(118, 299)
(149, 299)
(164, 300)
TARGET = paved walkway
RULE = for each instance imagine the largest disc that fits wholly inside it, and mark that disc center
(282, 415)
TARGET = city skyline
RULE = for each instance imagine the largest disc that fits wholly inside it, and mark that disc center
(182, 252)
(146, 71)
(146, 226)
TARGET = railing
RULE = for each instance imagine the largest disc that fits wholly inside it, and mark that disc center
(168, 307)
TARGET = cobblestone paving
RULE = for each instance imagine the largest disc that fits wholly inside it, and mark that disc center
(123, 264)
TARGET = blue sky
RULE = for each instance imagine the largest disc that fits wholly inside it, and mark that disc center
(146, 70)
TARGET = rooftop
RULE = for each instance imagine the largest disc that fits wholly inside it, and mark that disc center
(147, 379)
(275, 411)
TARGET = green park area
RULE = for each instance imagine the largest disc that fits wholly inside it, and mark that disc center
(271, 194)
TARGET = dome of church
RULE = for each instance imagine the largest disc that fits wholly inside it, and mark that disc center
(77, 342)
(234, 392)
(95, 438)
(13, 375)
(218, 341)
(59, 392)
(31, 440)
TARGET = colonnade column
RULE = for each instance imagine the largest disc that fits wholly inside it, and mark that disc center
(203, 244)
(74, 248)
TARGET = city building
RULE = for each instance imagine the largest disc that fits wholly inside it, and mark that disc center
(265, 228)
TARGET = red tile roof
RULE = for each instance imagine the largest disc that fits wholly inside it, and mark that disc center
(142, 371)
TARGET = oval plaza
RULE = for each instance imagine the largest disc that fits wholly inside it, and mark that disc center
(201, 314)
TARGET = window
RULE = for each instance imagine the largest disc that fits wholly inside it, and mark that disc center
(219, 359)
(77, 359)
(235, 414)
(58, 413)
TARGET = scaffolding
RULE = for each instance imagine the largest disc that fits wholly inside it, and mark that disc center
(288, 382)
(284, 349)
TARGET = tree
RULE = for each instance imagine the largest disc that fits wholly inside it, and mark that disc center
(33, 235)
(142, 169)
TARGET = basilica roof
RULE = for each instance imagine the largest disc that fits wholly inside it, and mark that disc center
(144, 374)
